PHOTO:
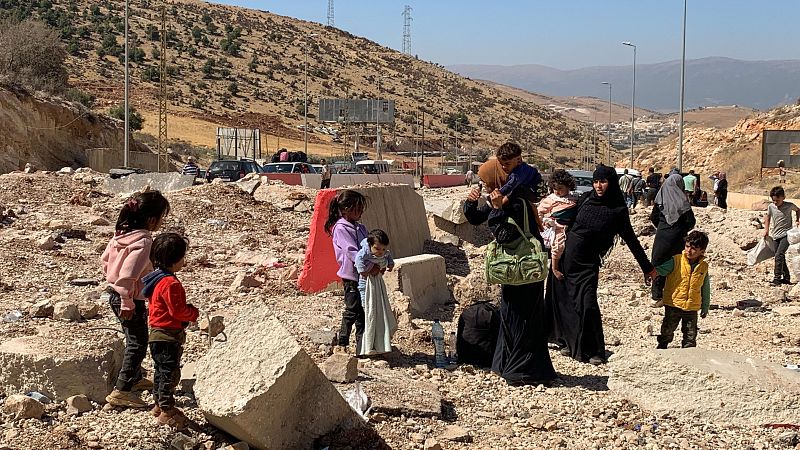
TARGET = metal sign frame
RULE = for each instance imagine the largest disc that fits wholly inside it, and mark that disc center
(238, 143)
(354, 110)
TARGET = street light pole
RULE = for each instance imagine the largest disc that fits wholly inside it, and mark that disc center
(633, 99)
(378, 153)
(127, 82)
(608, 126)
(305, 98)
(683, 76)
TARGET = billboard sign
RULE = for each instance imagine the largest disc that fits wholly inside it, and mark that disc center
(780, 145)
(354, 110)
(238, 143)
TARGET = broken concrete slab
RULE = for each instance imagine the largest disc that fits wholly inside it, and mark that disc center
(22, 407)
(164, 182)
(188, 377)
(423, 278)
(341, 368)
(394, 393)
(261, 387)
(51, 363)
(448, 209)
(708, 385)
(78, 404)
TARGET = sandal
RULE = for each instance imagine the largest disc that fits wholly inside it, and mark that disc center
(174, 418)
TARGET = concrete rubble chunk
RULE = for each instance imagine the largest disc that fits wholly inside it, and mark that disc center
(244, 280)
(431, 444)
(322, 337)
(709, 385)
(188, 377)
(213, 325)
(423, 278)
(394, 393)
(66, 311)
(455, 433)
(23, 407)
(89, 310)
(52, 364)
(164, 182)
(341, 368)
(78, 404)
(261, 387)
(46, 243)
(41, 309)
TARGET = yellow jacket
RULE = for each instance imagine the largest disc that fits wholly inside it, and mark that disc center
(685, 288)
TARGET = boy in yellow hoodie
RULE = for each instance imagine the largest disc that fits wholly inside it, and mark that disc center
(687, 291)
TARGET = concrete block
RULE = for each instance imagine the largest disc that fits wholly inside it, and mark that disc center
(261, 387)
(164, 182)
(53, 365)
(423, 278)
(707, 385)
(395, 393)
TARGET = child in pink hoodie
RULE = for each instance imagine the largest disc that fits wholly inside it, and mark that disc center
(125, 261)
(557, 211)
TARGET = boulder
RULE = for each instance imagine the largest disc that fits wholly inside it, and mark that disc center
(341, 368)
(78, 404)
(52, 364)
(706, 385)
(66, 311)
(261, 387)
(23, 407)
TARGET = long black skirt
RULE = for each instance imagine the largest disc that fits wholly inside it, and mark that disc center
(572, 303)
(521, 355)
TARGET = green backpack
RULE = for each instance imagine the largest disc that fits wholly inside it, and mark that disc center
(519, 262)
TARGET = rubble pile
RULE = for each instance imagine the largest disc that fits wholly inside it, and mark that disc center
(246, 251)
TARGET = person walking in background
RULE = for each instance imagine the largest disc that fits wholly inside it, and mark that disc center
(468, 177)
(602, 216)
(126, 260)
(777, 223)
(715, 180)
(326, 175)
(721, 191)
(190, 168)
(347, 232)
(653, 182)
(638, 191)
(626, 185)
(689, 186)
(673, 218)
(687, 291)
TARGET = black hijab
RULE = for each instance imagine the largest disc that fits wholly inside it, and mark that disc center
(613, 197)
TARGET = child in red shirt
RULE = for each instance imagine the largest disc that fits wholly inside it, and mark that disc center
(168, 319)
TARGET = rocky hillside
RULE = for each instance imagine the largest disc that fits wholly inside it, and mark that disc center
(235, 66)
(51, 133)
(735, 150)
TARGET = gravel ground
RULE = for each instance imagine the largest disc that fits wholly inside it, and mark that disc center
(479, 410)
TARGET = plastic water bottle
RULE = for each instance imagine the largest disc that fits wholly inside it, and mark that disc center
(437, 333)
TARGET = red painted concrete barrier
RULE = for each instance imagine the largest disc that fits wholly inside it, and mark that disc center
(437, 181)
(292, 179)
(320, 258)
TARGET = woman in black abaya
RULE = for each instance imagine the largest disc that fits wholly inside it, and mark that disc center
(602, 216)
(521, 355)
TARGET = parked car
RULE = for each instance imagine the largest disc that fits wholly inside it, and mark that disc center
(231, 169)
(583, 181)
(288, 167)
(370, 166)
(317, 168)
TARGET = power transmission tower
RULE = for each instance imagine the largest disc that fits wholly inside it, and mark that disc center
(407, 30)
(163, 157)
(330, 13)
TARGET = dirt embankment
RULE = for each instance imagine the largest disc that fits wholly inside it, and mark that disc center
(51, 133)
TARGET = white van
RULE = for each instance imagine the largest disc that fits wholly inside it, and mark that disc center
(371, 166)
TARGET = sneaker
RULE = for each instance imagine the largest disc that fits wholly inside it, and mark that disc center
(786, 282)
(661, 347)
(775, 283)
(143, 385)
(657, 303)
(125, 398)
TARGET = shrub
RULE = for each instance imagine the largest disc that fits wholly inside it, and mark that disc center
(135, 120)
(32, 54)
(78, 96)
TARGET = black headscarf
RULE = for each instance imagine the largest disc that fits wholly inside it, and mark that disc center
(612, 197)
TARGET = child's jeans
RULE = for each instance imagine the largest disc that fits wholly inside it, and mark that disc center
(672, 317)
(136, 335)
(781, 269)
(167, 371)
(353, 314)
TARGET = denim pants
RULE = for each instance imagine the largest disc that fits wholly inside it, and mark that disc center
(781, 269)
(674, 316)
(167, 373)
(136, 335)
(353, 314)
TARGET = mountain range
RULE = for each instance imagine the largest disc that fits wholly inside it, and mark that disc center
(711, 81)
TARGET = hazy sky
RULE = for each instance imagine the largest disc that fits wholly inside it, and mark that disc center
(565, 34)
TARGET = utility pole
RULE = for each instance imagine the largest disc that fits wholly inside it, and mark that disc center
(127, 82)
(163, 157)
(633, 99)
(422, 158)
(683, 76)
(608, 126)
(407, 29)
(330, 14)
(305, 98)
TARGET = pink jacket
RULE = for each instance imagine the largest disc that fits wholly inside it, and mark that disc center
(549, 205)
(125, 261)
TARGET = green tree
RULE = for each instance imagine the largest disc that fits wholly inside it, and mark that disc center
(32, 54)
(208, 68)
(457, 121)
(233, 88)
(135, 120)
